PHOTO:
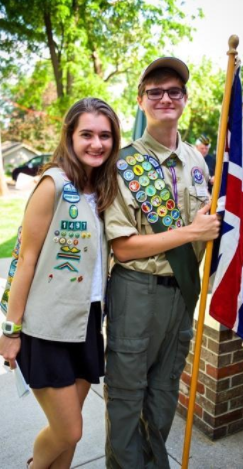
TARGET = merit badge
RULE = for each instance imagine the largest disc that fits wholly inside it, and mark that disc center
(179, 223)
(147, 166)
(122, 165)
(144, 181)
(197, 175)
(162, 211)
(170, 204)
(146, 207)
(152, 217)
(150, 191)
(141, 196)
(131, 160)
(138, 170)
(159, 184)
(164, 194)
(138, 157)
(175, 214)
(156, 201)
(153, 175)
(134, 186)
(167, 220)
(128, 175)
(73, 211)
(154, 162)
(56, 232)
(70, 194)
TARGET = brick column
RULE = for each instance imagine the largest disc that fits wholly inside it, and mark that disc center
(219, 400)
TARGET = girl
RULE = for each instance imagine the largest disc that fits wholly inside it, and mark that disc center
(56, 297)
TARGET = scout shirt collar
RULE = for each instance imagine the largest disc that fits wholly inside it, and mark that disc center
(162, 152)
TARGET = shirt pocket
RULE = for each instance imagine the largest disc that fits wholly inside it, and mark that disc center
(193, 203)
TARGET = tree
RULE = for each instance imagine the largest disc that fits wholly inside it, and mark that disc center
(3, 184)
(108, 38)
(202, 114)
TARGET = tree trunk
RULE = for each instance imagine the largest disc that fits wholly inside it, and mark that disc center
(55, 58)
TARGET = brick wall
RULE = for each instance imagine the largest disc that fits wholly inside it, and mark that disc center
(219, 400)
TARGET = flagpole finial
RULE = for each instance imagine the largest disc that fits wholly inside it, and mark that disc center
(233, 44)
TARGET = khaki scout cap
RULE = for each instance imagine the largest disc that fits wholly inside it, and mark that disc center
(167, 62)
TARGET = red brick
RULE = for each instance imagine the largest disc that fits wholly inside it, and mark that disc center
(224, 395)
(214, 409)
(188, 368)
(235, 426)
(223, 372)
(187, 380)
(212, 433)
(225, 359)
(223, 419)
(209, 356)
(238, 356)
(213, 384)
(224, 347)
(236, 380)
(236, 402)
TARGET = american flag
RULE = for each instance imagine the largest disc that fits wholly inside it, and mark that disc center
(227, 295)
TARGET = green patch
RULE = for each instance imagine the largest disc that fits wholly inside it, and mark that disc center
(11, 215)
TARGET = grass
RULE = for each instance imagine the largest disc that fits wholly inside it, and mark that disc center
(11, 215)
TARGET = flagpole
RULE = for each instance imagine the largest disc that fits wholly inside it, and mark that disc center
(232, 52)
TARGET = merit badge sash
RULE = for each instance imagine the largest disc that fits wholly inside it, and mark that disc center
(144, 177)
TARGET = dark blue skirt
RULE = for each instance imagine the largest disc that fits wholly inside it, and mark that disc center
(46, 363)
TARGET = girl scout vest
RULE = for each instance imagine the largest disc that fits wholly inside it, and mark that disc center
(58, 303)
(143, 176)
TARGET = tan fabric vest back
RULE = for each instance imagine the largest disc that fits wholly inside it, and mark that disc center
(59, 299)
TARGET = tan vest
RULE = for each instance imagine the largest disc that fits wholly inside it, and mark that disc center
(58, 303)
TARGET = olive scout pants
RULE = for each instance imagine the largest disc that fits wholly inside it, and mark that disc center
(149, 332)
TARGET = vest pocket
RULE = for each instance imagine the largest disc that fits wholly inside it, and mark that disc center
(126, 363)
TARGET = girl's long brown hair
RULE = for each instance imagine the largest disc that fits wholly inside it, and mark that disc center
(104, 178)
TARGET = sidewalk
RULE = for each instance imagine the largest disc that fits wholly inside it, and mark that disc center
(22, 419)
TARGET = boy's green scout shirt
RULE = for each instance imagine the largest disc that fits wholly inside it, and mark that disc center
(125, 217)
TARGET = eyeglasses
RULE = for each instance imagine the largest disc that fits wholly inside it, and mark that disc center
(158, 93)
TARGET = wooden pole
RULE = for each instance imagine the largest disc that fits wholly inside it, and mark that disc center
(233, 44)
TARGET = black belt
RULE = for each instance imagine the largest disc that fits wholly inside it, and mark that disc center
(167, 281)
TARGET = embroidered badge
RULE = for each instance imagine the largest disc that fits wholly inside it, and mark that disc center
(128, 175)
(161, 211)
(156, 201)
(150, 191)
(138, 157)
(153, 175)
(141, 196)
(73, 211)
(138, 170)
(152, 217)
(134, 186)
(73, 225)
(164, 194)
(122, 165)
(170, 204)
(144, 181)
(147, 166)
(159, 184)
(67, 266)
(70, 193)
(197, 175)
(130, 160)
(167, 220)
(146, 207)
(68, 255)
